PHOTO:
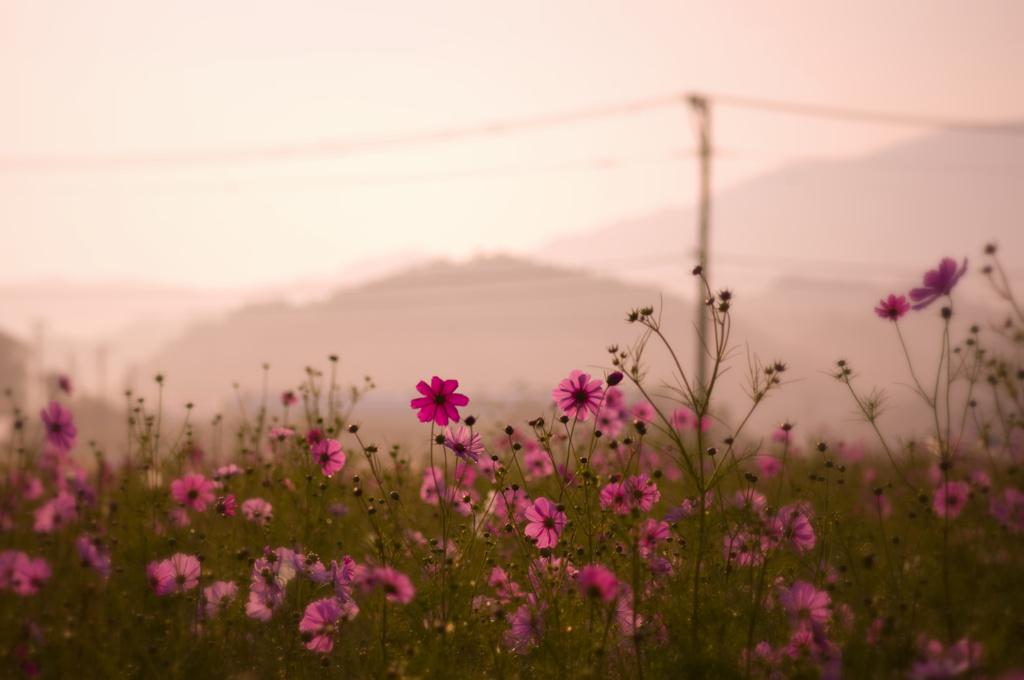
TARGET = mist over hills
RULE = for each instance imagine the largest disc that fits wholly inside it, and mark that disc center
(509, 330)
(504, 327)
(807, 250)
(886, 216)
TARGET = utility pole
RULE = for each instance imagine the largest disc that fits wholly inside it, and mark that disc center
(702, 110)
(101, 372)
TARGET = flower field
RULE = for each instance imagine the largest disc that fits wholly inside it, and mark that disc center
(628, 530)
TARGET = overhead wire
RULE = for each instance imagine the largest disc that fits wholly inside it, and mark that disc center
(868, 116)
(329, 148)
(350, 146)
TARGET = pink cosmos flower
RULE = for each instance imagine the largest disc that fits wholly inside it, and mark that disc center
(433, 485)
(29, 485)
(960, 658)
(688, 508)
(8, 560)
(643, 412)
(527, 626)
(341, 577)
(439, 401)
(1009, 510)
(545, 572)
(288, 398)
(938, 282)
(56, 513)
(227, 471)
(628, 620)
(226, 505)
(329, 456)
(184, 570)
(578, 396)
(750, 500)
(397, 586)
(261, 605)
(641, 492)
(614, 496)
(805, 604)
(538, 462)
(950, 499)
(769, 465)
(791, 525)
(507, 589)
(219, 597)
(892, 308)
(463, 443)
(597, 582)
(745, 549)
(270, 579)
(280, 433)
(64, 383)
(546, 522)
(801, 645)
(29, 574)
(257, 510)
(194, 491)
(160, 576)
(319, 624)
(652, 532)
(94, 555)
(60, 431)
(178, 517)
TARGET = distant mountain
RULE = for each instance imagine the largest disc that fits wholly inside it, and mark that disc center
(499, 325)
(890, 212)
(100, 332)
(509, 330)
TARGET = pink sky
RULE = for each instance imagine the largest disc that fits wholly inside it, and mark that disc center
(116, 77)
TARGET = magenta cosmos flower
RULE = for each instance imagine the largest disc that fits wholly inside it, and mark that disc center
(805, 603)
(597, 582)
(938, 282)
(526, 629)
(546, 522)
(892, 308)
(329, 456)
(288, 398)
(60, 431)
(578, 396)
(195, 491)
(226, 505)
(791, 525)
(29, 574)
(94, 555)
(219, 597)
(950, 499)
(397, 586)
(160, 577)
(319, 624)
(465, 444)
(613, 496)
(641, 492)
(257, 510)
(56, 513)
(184, 570)
(439, 401)
(280, 433)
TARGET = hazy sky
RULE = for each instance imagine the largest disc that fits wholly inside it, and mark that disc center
(86, 83)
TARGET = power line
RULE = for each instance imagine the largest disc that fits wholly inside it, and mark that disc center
(331, 148)
(593, 164)
(862, 115)
(351, 146)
